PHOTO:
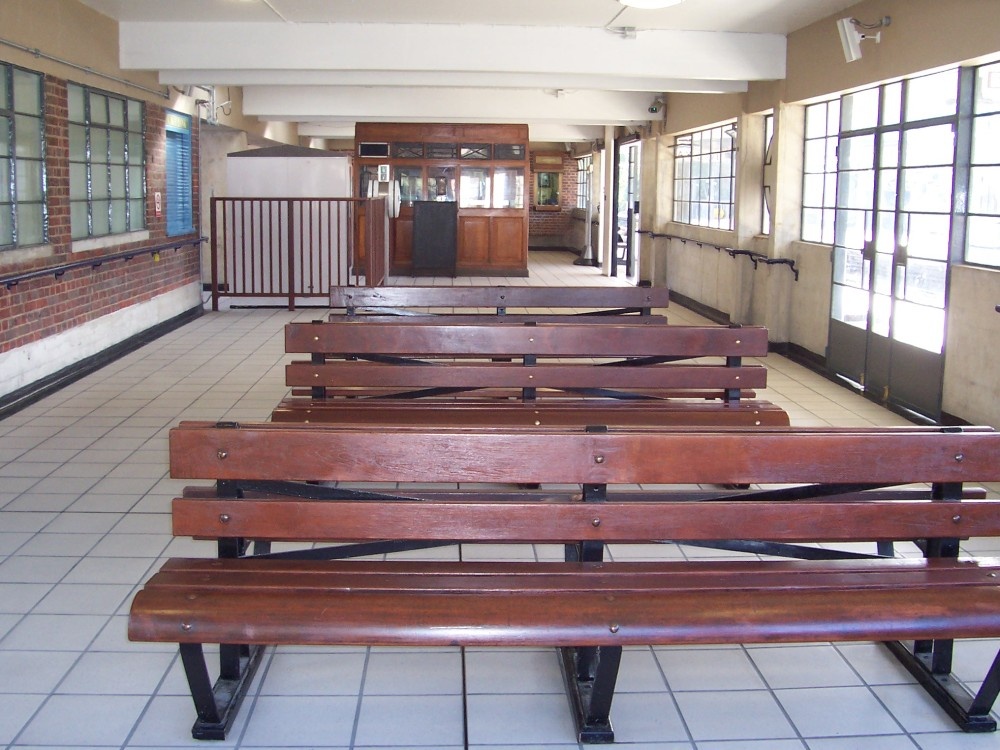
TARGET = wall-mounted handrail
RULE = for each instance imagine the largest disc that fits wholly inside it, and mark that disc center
(755, 258)
(13, 280)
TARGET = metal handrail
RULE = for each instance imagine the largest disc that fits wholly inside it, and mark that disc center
(755, 257)
(14, 279)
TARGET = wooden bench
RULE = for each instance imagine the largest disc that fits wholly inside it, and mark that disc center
(545, 374)
(273, 483)
(599, 303)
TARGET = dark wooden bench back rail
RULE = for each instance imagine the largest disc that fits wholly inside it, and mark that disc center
(284, 518)
(540, 364)
(676, 456)
(284, 483)
(544, 340)
(399, 300)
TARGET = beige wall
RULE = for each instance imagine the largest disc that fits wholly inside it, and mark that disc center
(71, 31)
(971, 380)
(694, 111)
(54, 28)
(923, 35)
(216, 143)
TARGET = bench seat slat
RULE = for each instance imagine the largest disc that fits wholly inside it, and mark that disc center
(515, 319)
(488, 396)
(499, 296)
(418, 576)
(502, 375)
(287, 519)
(792, 603)
(524, 414)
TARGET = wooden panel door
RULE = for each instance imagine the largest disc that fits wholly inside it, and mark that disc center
(358, 259)
(473, 240)
(402, 248)
(508, 241)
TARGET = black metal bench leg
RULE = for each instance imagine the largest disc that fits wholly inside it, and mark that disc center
(971, 713)
(590, 674)
(217, 705)
(929, 661)
(989, 690)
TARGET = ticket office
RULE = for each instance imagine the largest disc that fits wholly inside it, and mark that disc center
(481, 168)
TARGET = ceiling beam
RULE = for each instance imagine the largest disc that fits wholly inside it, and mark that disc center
(548, 132)
(434, 78)
(405, 104)
(702, 55)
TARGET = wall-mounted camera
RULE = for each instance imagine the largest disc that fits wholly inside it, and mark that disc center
(853, 32)
(655, 106)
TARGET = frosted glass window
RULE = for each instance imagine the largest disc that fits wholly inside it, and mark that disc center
(23, 219)
(107, 163)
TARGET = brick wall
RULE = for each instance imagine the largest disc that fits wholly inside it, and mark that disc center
(550, 228)
(38, 308)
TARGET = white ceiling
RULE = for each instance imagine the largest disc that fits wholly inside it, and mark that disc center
(565, 67)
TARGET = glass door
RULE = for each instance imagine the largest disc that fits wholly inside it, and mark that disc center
(895, 183)
(627, 210)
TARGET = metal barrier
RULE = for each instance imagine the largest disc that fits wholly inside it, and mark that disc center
(265, 249)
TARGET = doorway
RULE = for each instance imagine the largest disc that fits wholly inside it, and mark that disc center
(893, 240)
(625, 257)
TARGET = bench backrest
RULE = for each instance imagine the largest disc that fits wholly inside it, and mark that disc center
(498, 299)
(208, 450)
(840, 476)
(344, 353)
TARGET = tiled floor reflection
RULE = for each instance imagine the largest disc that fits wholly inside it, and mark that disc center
(84, 519)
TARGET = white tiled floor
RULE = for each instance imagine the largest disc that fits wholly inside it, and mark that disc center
(84, 519)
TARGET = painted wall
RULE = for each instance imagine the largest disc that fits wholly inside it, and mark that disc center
(216, 144)
(51, 322)
(923, 35)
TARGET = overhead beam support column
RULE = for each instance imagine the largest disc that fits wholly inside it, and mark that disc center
(607, 225)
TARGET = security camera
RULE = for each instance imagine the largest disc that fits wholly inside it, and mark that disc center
(852, 33)
(656, 106)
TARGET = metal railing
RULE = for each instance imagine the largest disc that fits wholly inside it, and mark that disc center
(733, 252)
(266, 249)
(12, 280)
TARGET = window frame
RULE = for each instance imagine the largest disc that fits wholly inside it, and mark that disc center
(131, 168)
(584, 170)
(970, 215)
(765, 188)
(14, 165)
(823, 171)
(691, 157)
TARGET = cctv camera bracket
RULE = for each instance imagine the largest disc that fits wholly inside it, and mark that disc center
(853, 32)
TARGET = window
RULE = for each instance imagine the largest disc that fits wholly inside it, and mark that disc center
(819, 179)
(705, 177)
(584, 168)
(22, 159)
(508, 187)
(180, 214)
(107, 158)
(474, 187)
(895, 203)
(767, 189)
(982, 240)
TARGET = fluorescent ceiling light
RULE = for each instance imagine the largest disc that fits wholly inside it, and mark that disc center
(650, 4)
